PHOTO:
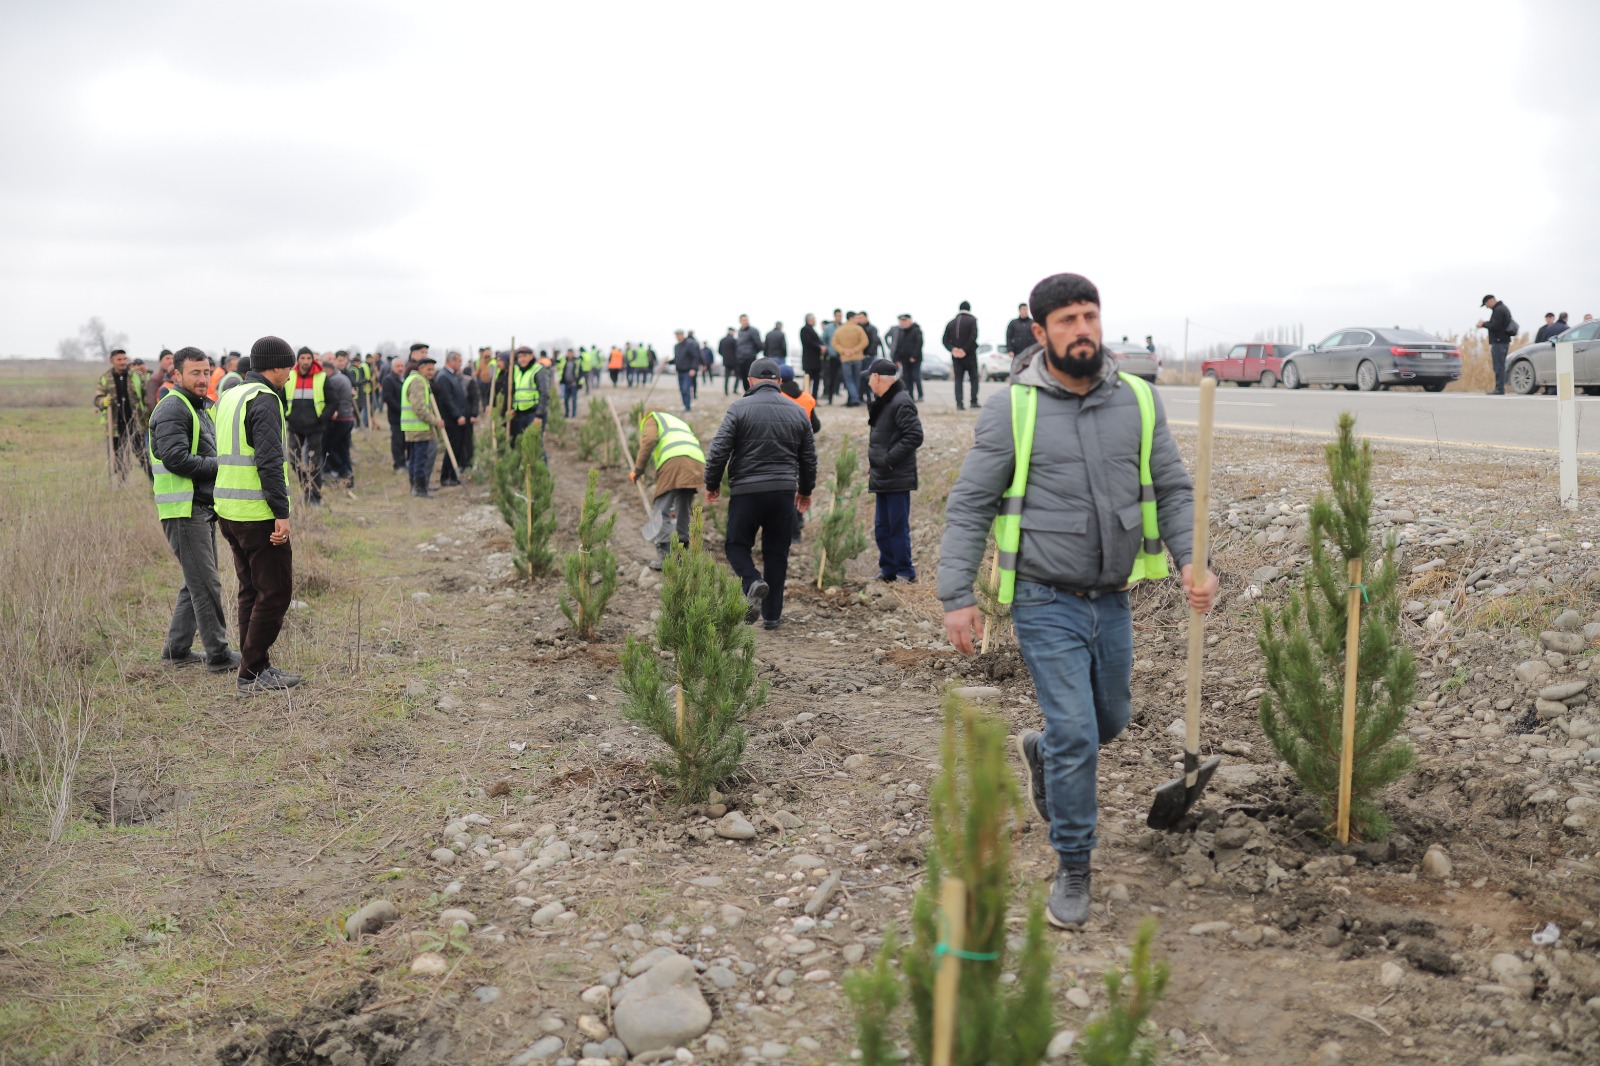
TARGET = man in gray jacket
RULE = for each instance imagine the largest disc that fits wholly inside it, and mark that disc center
(1082, 543)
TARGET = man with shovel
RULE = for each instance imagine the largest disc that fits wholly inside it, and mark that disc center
(1075, 468)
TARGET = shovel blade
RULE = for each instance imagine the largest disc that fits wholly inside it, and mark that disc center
(1173, 799)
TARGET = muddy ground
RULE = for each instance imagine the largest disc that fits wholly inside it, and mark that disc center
(454, 711)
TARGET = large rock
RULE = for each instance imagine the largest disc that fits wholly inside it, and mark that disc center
(1564, 690)
(663, 1008)
(369, 919)
(1565, 643)
(1532, 671)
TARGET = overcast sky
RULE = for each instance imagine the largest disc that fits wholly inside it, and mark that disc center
(341, 173)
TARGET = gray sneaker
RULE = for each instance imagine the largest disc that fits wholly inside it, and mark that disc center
(1069, 897)
(269, 680)
(1032, 758)
(755, 597)
(227, 662)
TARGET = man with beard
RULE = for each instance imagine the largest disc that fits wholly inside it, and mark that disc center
(309, 415)
(120, 398)
(1075, 469)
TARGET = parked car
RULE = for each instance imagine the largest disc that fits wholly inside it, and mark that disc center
(1257, 362)
(994, 362)
(936, 364)
(1135, 359)
(1533, 366)
(1370, 358)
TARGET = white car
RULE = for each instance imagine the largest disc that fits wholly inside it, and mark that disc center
(994, 362)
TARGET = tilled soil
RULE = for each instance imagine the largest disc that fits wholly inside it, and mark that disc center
(573, 863)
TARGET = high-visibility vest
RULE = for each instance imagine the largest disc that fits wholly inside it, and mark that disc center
(229, 380)
(614, 361)
(312, 392)
(639, 358)
(525, 387)
(410, 421)
(676, 439)
(1151, 562)
(239, 494)
(211, 389)
(174, 493)
(807, 402)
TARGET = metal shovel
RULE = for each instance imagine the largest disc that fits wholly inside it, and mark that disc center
(1173, 799)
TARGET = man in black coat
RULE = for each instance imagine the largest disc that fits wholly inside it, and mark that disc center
(686, 361)
(811, 348)
(747, 349)
(908, 353)
(961, 341)
(766, 447)
(1019, 332)
(895, 436)
(1502, 331)
(450, 394)
(776, 345)
(389, 389)
(728, 351)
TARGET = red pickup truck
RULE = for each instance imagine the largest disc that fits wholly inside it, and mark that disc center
(1247, 364)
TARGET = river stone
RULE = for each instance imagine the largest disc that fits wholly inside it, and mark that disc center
(1532, 671)
(370, 918)
(735, 826)
(1568, 621)
(541, 1050)
(1436, 864)
(1564, 690)
(663, 1008)
(1565, 643)
(1061, 1045)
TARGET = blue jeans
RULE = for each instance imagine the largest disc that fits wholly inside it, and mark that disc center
(420, 458)
(851, 372)
(686, 388)
(1080, 653)
(569, 400)
(891, 528)
(1497, 356)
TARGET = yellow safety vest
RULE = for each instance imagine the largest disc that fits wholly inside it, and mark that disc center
(312, 392)
(676, 439)
(525, 387)
(174, 493)
(410, 421)
(1151, 562)
(239, 494)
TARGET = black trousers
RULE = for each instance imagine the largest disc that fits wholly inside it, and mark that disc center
(266, 582)
(307, 457)
(397, 440)
(773, 514)
(969, 367)
(830, 379)
(457, 436)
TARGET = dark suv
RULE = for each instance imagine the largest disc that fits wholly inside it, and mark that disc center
(1370, 358)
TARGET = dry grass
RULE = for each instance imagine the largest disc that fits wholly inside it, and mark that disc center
(47, 383)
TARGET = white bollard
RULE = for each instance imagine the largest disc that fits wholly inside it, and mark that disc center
(1567, 424)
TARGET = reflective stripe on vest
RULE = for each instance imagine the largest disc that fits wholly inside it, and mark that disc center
(410, 421)
(1151, 561)
(525, 387)
(677, 439)
(239, 495)
(229, 380)
(313, 391)
(174, 493)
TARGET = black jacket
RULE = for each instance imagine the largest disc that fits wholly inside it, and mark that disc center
(686, 356)
(810, 350)
(451, 396)
(728, 348)
(1499, 325)
(874, 343)
(171, 433)
(1019, 335)
(389, 388)
(776, 346)
(765, 444)
(264, 419)
(892, 444)
(962, 332)
(748, 345)
(908, 346)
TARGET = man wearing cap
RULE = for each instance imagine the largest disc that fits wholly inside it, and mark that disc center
(669, 442)
(1502, 331)
(530, 392)
(961, 341)
(907, 352)
(766, 447)
(252, 503)
(420, 423)
(1075, 469)
(686, 361)
(894, 435)
(183, 461)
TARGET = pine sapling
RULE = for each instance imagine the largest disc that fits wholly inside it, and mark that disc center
(841, 537)
(1304, 645)
(1115, 1036)
(696, 699)
(534, 517)
(591, 571)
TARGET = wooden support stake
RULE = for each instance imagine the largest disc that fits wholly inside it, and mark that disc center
(994, 583)
(947, 985)
(1352, 667)
(683, 713)
(511, 379)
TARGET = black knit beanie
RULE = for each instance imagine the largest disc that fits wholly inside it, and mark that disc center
(271, 353)
(1059, 290)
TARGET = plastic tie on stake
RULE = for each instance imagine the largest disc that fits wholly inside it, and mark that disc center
(941, 949)
(1364, 597)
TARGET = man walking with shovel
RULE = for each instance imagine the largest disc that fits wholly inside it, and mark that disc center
(1075, 468)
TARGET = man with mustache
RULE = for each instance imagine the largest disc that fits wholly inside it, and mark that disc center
(1082, 487)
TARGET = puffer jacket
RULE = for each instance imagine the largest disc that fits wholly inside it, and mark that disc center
(747, 345)
(776, 346)
(765, 444)
(171, 434)
(1081, 519)
(892, 443)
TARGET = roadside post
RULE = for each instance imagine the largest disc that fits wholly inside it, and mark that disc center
(1567, 424)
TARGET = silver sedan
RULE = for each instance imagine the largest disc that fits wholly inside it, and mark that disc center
(1532, 368)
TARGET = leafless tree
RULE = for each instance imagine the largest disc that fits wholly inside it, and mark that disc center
(70, 349)
(95, 341)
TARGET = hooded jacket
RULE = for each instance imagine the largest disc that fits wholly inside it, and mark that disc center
(765, 444)
(1081, 519)
(172, 432)
(893, 440)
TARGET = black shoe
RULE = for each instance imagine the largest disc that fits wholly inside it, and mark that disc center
(1069, 897)
(771, 623)
(887, 579)
(975, 405)
(184, 658)
(912, 580)
(451, 484)
(754, 597)
(1033, 759)
(227, 661)
(960, 408)
(269, 680)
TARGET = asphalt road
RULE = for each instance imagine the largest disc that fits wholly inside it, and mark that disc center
(1521, 423)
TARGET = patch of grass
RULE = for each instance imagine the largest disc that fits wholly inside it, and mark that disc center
(1528, 611)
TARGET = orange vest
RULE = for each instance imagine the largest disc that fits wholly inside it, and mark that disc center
(216, 376)
(615, 362)
(807, 402)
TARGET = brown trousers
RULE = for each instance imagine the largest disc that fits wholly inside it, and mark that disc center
(266, 581)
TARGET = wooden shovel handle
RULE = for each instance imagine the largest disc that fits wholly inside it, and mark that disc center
(1201, 560)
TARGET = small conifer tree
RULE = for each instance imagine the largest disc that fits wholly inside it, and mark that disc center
(1304, 645)
(533, 517)
(973, 805)
(557, 432)
(591, 571)
(1115, 1036)
(712, 666)
(841, 537)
